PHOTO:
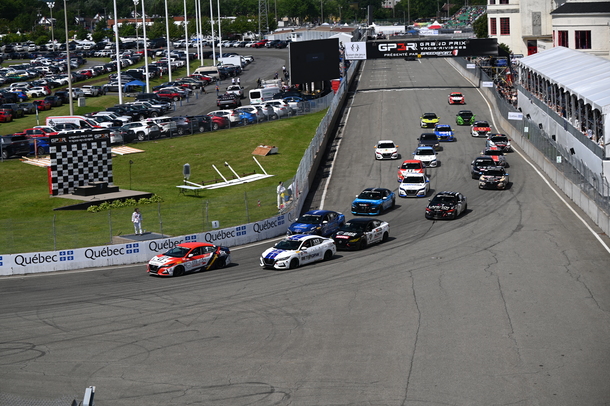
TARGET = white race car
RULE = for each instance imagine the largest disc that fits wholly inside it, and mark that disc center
(386, 149)
(297, 250)
(414, 185)
(427, 155)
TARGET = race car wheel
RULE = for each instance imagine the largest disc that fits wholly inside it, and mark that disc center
(294, 263)
(393, 203)
(215, 126)
(4, 155)
(363, 244)
(141, 136)
(179, 271)
(385, 237)
(328, 255)
(221, 263)
(274, 117)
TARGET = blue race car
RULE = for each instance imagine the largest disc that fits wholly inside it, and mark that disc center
(444, 132)
(320, 222)
(373, 201)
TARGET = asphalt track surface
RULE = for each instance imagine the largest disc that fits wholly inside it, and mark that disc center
(506, 305)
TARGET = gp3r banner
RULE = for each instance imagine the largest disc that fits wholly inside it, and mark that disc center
(432, 48)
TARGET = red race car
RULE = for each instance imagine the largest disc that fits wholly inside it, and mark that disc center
(189, 257)
(456, 98)
(410, 165)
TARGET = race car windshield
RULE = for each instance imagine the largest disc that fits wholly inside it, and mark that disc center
(289, 245)
(425, 152)
(429, 116)
(481, 124)
(413, 179)
(466, 114)
(355, 227)
(499, 139)
(411, 165)
(386, 145)
(429, 137)
(309, 219)
(444, 199)
(177, 252)
(370, 195)
(443, 128)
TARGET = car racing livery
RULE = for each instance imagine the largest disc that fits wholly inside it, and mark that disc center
(427, 155)
(319, 222)
(465, 117)
(414, 185)
(296, 250)
(410, 166)
(501, 141)
(359, 233)
(386, 149)
(480, 129)
(373, 201)
(494, 178)
(189, 257)
(496, 155)
(446, 205)
(429, 140)
(444, 132)
(428, 120)
(480, 165)
(456, 98)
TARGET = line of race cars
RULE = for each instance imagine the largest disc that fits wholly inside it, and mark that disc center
(318, 234)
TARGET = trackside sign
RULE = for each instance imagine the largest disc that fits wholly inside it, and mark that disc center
(431, 48)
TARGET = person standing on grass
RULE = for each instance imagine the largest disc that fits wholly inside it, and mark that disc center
(136, 219)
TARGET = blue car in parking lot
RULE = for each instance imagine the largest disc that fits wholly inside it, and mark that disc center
(373, 201)
(320, 222)
(39, 145)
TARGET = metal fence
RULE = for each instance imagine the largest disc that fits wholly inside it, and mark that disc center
(595, 186)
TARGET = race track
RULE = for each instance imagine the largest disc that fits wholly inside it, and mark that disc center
(508, 304)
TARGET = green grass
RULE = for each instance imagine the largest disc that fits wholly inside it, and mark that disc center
(30, 224)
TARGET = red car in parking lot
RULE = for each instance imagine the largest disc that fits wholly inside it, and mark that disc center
(5, 116)
(42, 105)
(219, 122)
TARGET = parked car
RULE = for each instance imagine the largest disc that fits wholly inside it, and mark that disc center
(6, 116)
(14, 145)
(42, 105)
(228, 101)
(14, 108)
(55, 100)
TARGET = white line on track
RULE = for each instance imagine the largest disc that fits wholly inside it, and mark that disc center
(550, 185)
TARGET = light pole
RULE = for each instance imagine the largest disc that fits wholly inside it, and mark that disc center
(70, 96)
(118, 56)
(339, 14)
(135, 18)
(186, 39)
(169, 65)
(51, 4)
(145, 48)
(321, 12)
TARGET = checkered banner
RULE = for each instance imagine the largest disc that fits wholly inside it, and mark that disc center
(79, 159)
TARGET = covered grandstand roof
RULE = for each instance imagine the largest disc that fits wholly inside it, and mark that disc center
(584, 75)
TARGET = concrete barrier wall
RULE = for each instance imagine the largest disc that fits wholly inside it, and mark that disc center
(571, 190)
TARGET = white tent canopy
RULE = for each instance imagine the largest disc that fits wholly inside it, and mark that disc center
(584, 75)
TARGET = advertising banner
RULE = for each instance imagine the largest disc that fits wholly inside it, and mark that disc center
(139, 251)
(432, 48)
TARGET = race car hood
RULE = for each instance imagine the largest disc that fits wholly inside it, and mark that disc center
(301, 228)
(273, 253)
(163, 260)
(442, 206)
(481, 129)
(347, 234)
(386, 150)
(367, 201)
(492, 178)
(412, 186)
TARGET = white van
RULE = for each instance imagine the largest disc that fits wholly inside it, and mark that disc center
(211, 71)
(258, 96)
(80, 121)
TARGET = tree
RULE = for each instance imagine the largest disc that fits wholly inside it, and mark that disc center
(480, 26)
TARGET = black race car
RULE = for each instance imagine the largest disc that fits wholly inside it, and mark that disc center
(358, 233)
(446, 205)
(480, 165)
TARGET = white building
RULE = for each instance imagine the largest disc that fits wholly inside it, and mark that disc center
(531, 26)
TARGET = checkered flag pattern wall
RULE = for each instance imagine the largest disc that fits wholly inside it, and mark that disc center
(77, 164)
